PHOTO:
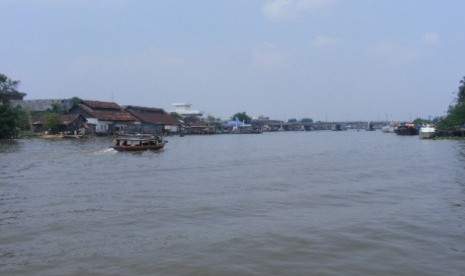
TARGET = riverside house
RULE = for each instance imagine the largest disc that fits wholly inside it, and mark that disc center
(69, 123)
(106, 118)
(153, 120)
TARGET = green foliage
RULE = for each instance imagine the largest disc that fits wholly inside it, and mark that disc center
(307, 120)
(292, 121)
(75, 100)
(461, 93)
(9, 115)
(8, 89)
(456, 117)
(421, 121)
(456, 113)
(56, 108)
(8, 121)
(243, 117)
(51, 121)
(176, 115)
(213, 120)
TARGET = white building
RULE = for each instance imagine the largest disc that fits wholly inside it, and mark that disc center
(184, 109)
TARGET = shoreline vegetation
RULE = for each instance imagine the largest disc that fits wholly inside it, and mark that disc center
(17, 122)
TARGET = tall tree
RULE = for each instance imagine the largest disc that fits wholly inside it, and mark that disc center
(243, 117)
(8, 89)
(456, 113)
(9, 115)
(461, 93)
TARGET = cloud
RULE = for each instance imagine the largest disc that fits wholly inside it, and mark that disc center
(396, 52)
(278, 9)
(430, 38)
(322, 40)
(269, 57)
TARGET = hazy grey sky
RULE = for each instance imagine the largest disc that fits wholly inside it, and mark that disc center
(323, 59)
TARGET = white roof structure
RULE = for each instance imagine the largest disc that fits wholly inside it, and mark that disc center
(184, 109)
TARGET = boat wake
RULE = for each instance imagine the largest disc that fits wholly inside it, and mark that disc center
(105, 152)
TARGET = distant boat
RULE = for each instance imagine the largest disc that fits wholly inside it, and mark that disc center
(427, 132)
(370, 126)
(388, 128)
(406, 129)
(337, 127)
(138, 143)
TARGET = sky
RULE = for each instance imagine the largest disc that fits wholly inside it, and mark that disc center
(329, 60)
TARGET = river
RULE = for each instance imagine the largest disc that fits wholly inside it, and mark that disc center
(292, 203)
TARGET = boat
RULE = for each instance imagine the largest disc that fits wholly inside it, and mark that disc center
(389, 128)
(370, 127)
(427, 132)
(406, 129)
(337, 127)
(138, 143)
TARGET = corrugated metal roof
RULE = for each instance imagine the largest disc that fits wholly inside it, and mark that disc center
(108, 114)
(152, 115)
(101, 105)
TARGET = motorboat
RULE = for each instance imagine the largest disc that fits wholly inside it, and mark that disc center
(427, 132)
(138, 143)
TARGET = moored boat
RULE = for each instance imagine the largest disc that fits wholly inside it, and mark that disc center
(138, 143)
(389, 128)
(406, 129)
(427, 132)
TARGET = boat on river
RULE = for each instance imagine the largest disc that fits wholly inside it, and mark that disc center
(138, 143)
(406, 129)
(427, 132)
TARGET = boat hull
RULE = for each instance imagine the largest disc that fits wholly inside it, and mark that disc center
(427, 132)
(138, 148)
(138, 143)
(427, 135)
(406, 130)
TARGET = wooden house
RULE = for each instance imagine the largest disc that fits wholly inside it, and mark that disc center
(68, 123)
(153, 120)
(106, 118)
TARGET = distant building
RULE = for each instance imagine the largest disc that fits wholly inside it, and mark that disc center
(265, 124)
(184, 109)
(41, 105)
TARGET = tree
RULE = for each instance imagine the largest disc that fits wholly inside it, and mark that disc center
(213, 120)
(307, 120)
(176, 115)
(8, 90)
(51, 121)
(292, 121)
(461, 93)
(9, 115)
(243, 117)
(456, 113)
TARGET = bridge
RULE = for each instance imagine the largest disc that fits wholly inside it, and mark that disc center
(336, 125)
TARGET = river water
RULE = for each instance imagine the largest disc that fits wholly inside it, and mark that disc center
(293, 203)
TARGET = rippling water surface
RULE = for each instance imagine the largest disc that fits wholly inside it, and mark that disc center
(302, 203)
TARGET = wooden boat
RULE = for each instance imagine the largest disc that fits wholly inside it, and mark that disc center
(138, 143)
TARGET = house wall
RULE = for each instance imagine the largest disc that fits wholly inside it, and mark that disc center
(171, 128)
(150, 129)
(103, 127)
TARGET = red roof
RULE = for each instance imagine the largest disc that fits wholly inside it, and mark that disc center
(101, 105)
(67, 119)
(152, 115)
(107, 111)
